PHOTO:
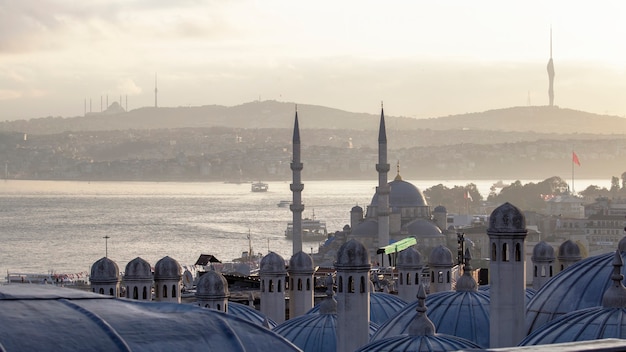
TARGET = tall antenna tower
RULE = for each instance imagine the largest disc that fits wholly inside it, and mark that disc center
(155, 91)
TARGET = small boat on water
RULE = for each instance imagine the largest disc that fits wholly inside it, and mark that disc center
(259, 187)
(284, 203)
(312, 229)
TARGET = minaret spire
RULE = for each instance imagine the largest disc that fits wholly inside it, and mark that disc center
(551, 74)
(155, 91)
(296, 187)
(382, 190)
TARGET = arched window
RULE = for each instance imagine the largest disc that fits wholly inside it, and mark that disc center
(562, 267)
(101, 291)
(518, 252)
(400, 279)
(291, 286)
(362, 284)
(448, 276)
(350, 284)
(271, 286)
(164, 291)
(219, 307)
(145, 292)
(127, 292)
(494, 251)
(505, 252)
(543, 271)
(279, 286)
(550, 270)
(340, 284)
(262, 285)
(308, 284)
(174, 293)
(417, 279)
(299, 284)
(135, 292)
(111, 292)
(408, 278)
(207, 306)
(535, 271)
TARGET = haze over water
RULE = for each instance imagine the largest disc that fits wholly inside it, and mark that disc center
(61, 225)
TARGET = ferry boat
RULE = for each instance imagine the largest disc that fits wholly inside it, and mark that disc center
(284, 204)
(259, 187)
(312, 229)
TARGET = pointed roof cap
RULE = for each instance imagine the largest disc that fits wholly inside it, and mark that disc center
(466, 282)
(615, 295)
(296, 128)
(421, 325)
(329, 304)
(382, 132)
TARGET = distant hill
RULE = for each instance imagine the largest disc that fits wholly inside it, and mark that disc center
(273, 114)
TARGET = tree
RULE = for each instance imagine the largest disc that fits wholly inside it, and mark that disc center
(614, 184)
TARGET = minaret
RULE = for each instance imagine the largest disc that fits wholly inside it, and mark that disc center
(507, 232)
(382, 190)
(551, 73)
(296, 187)
(155, 91)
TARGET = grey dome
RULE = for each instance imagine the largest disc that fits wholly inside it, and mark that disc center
(356, 209)
(167, 268)
(352, 254)
(422, 228)
(507, 219)
(580, 286)
(569, 250)
(313, 332)
(436, 342)
(543, 252)
(301, 263)
(440, 209)
(463, 314)
(104, 271)
(382, 307)
(440, 256)
(402, 194)
(367, 228)
(409, 258)
(212, 285)
(138, 269)
(45, 317)
(250, 314)
(529, 293)
(272, 263)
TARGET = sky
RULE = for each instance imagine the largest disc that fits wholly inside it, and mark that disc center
(422, 58)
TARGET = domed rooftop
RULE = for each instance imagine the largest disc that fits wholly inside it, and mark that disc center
(301, 263)
(212, 285)
(608, 321)
(422, 228)
(272, 263)
(250, 314)
(357, 209)
(51, 314)
(167, 268)
(104, 271)
(440, 256)
(577, 287)
(409, 258)
(569, 250)
(421, 333)
(382, 307)
(138, 269)
(352, 254)
(402, 194)
(543, 252)
(463, 314)
(367, 228)
(507, 219)
(529, 293)
(440, 209)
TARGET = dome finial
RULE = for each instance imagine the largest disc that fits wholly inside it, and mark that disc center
(398, 177)
(329, 305)
(615, 295)
(421, 325)
(466, 282)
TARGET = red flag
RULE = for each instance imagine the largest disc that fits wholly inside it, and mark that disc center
(575, 159)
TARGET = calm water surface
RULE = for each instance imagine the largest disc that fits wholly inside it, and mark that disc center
(60, 225)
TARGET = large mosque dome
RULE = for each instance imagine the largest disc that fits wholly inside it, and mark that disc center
(45, 317)
(422, 228)
(250, 314)
(402, 194)
(383, 306)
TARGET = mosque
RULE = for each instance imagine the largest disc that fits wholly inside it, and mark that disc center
(574, 305)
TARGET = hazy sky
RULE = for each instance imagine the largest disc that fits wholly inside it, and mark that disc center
(422, 58)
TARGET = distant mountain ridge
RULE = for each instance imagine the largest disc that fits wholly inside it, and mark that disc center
(274, 114)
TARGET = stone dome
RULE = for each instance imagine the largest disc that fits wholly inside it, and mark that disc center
(409, 258)
(426, 343)
(440, 209)
(507, 219)
(569, 250)
(382, 307)
(352, 254)
(108, 324)
(301, 263)
(463, 314)
(250, 314)
(212, 285)
(580, 286)
(422, 228)
(104, 270)
(529, 293)
(272, 263)
(356, 209)
(367, 228)
(402, 194)
(138, 269)
(167, 268)
(440, 256)
(543, 252)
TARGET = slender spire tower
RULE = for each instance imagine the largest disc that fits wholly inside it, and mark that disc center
(155, 91)
(382, 190)
(551, 73)
(296, 187)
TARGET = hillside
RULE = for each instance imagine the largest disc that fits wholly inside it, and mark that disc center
(273, 114)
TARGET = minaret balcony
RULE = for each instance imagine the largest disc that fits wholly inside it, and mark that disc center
(296, 187)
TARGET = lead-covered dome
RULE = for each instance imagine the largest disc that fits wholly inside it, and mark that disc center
(272, 263)
(250, 314)
(367, 228)
(402, 194)
(382, 307)
(569, 250)
(422, 228)
(507, 218)
(409, 258)
(301, 263)
(104, 271)
(138, 269)
(212, 285)
(440, 209)
(167, 268)
(440, 256)
(352, 254)
(543, 252)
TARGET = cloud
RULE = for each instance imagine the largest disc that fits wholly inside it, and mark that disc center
(128, 86)
(9, 94)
